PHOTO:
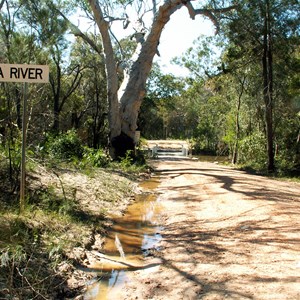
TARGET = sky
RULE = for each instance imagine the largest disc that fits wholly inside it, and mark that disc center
(178, 36)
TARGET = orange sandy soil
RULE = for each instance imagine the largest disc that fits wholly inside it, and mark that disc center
(227, 235)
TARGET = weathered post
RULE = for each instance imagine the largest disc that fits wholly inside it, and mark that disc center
(23, 155)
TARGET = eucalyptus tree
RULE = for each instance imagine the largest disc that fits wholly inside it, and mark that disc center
(257, 62)
(125, 99)
(64, 81)
(50, 32)
(16, 46)
(11, 53)
(211, 94)
(263, 32)
(89, 106)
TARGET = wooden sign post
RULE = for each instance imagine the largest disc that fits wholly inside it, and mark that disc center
(25, 74)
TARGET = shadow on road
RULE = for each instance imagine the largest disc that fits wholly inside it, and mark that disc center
(236, 235)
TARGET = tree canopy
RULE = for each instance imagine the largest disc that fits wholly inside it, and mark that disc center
(242, 92)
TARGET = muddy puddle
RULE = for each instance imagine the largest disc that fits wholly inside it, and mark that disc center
(133, 236)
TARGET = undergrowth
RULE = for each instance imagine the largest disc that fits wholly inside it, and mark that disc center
(66, 205)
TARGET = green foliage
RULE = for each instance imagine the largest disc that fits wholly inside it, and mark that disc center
(132, 164)
(15, 232)
(127, 161)
(203, 59)
(286, 162)
(253, 151)
(225, 101)
(50, 201)
(9, 255)
(95, 157)
(22, 261)
(65, 146)
(160, 108)
(287, 155)
(11, 151)
(10, 160)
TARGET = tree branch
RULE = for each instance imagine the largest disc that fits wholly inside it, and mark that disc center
(1, 4)
(77, 32)
(210, 13)
(75, 82)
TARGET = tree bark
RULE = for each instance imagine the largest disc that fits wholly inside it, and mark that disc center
(132, 96)
(267, 62)
(56, 96)
(237, 123)
(111, 74)
(125, 102)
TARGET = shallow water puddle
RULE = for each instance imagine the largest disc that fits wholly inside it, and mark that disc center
(132, 237)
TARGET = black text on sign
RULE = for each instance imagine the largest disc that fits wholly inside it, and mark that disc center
(24, 73)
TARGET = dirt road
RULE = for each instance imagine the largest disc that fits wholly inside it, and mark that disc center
(227, 235)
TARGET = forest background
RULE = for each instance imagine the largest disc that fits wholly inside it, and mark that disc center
(239, 98)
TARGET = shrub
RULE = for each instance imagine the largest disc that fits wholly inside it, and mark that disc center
(66, 146)
(95, 157)
(252, 151)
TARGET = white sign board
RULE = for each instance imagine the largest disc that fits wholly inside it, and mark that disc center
(24, 73)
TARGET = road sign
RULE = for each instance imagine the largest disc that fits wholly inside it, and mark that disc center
(24, 73)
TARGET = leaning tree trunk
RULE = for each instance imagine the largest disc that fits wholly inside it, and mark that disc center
(124, 103)
(131, 96)
(135, 84)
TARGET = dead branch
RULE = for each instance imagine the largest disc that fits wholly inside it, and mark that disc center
(30, 286)
(77, 32)
(210, 13)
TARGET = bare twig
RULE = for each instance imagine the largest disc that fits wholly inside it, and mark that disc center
(61, 184)
(30, 286)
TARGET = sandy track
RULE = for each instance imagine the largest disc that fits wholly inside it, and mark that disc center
(227, 235)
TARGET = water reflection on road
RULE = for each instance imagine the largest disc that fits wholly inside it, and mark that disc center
(133, 236)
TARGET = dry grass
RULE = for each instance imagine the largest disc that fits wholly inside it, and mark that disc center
(65, 209)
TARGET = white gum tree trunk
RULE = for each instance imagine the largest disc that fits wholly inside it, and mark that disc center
(124, 104)
(111, 70)
(125, 101)
(132, 95)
